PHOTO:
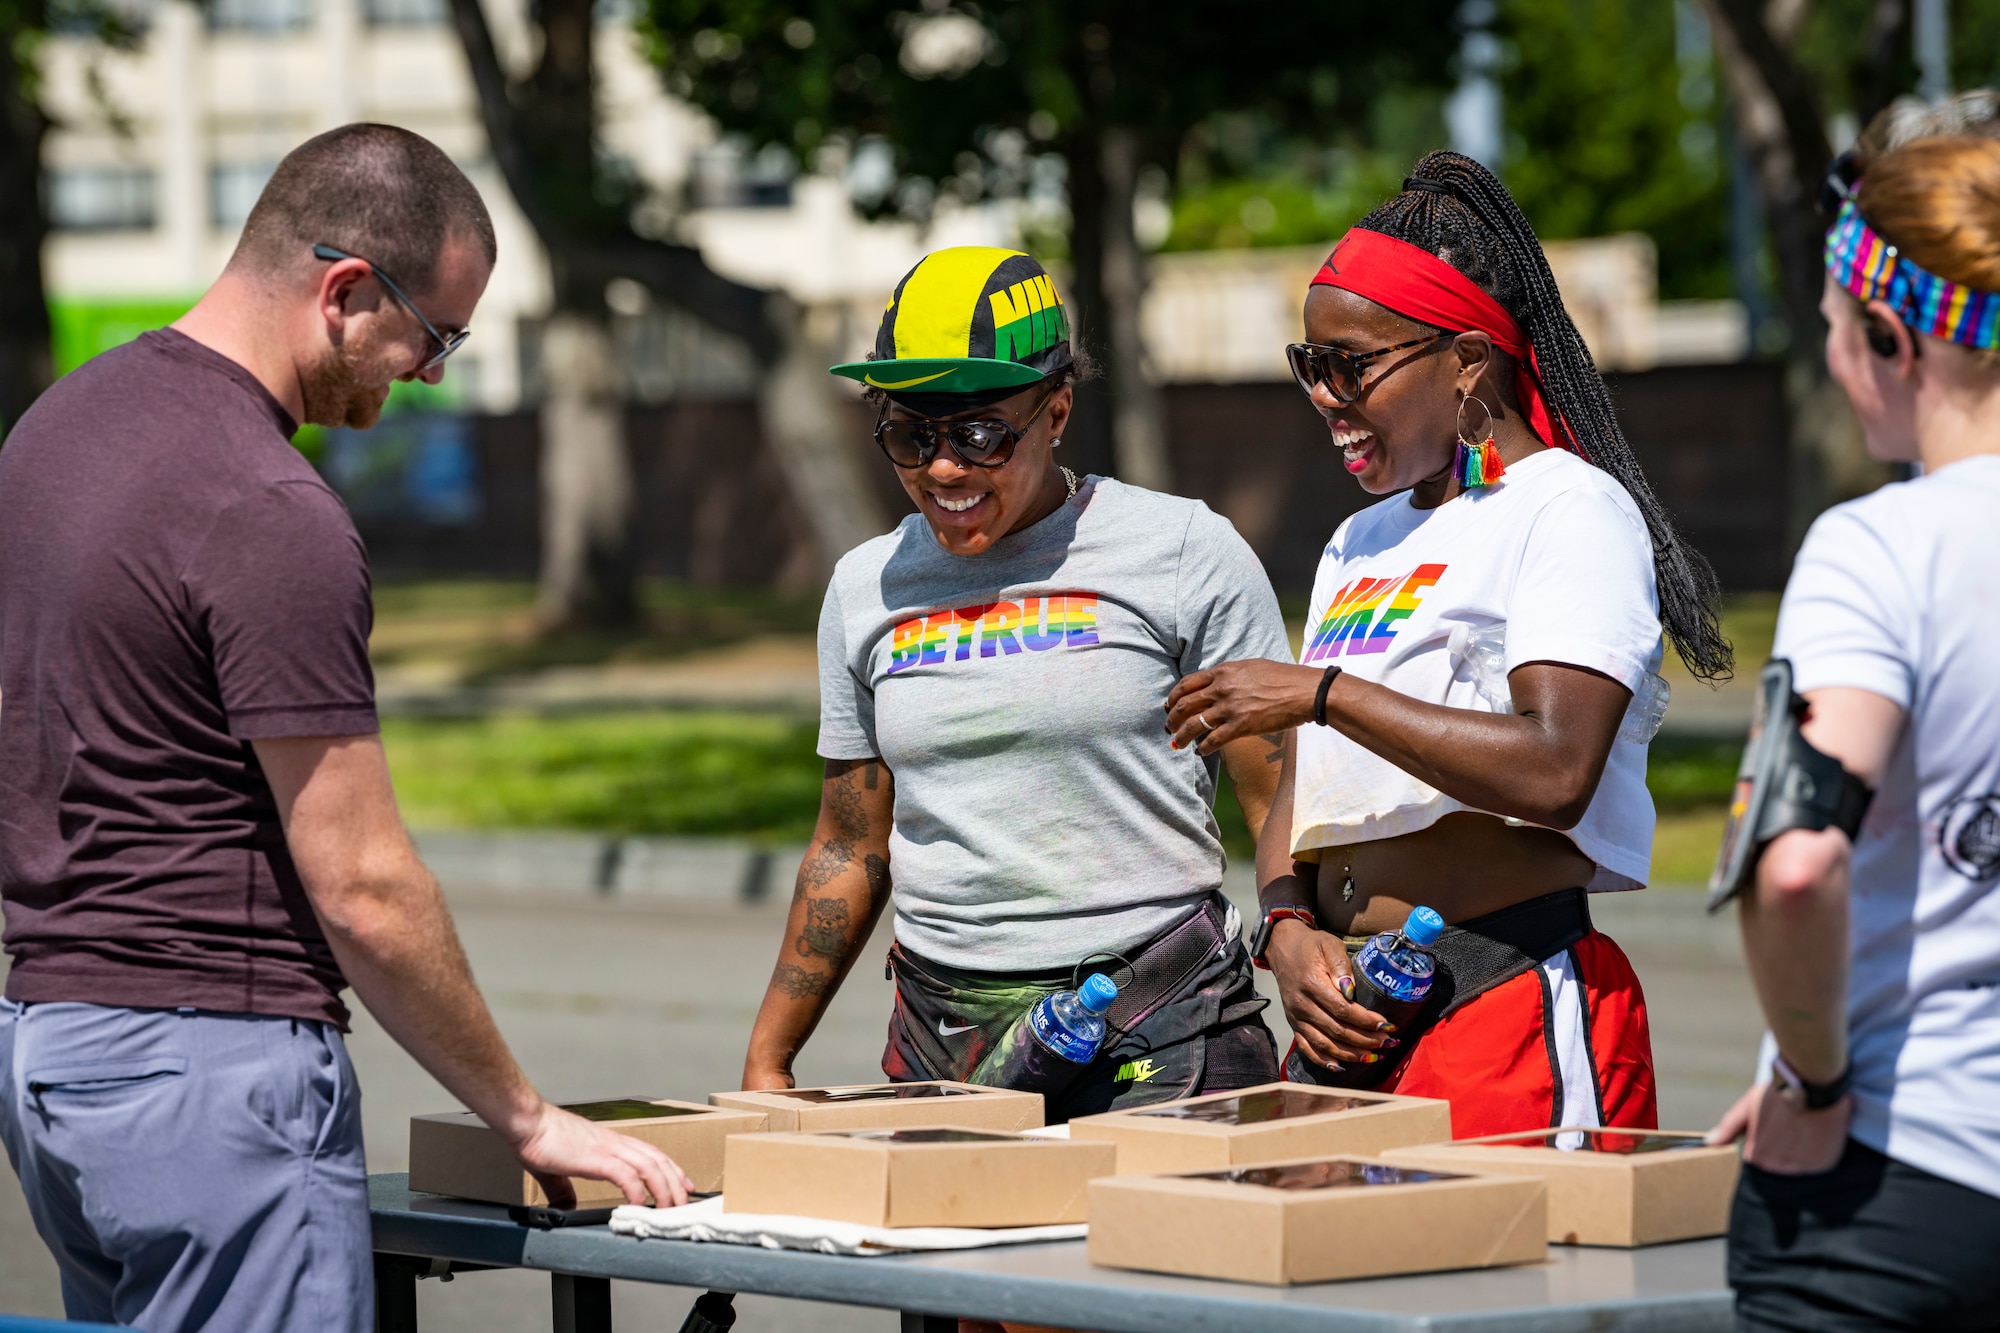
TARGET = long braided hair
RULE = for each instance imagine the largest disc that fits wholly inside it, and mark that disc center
(1460, 212)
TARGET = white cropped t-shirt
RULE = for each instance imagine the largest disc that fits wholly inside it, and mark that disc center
(1555, 551)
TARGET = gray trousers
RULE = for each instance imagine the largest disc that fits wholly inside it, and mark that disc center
(191, 1170)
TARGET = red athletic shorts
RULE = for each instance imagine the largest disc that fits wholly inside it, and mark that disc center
(1565, 1043)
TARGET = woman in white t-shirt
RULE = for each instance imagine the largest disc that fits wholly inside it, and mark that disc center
(1475, 646)
(1870, 1194)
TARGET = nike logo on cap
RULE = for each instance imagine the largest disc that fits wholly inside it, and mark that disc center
(944, 1031)
(903, 384)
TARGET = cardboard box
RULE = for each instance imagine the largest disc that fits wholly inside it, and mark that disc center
(889, 1106)
(1606, 1187)
(920, 1177)
(1274, 1123)
(455, 1153)
(1316, 1221)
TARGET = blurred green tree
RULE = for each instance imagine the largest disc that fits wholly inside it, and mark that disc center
(965, 98)
(542, 125)
(1615, 124)
(25, 366)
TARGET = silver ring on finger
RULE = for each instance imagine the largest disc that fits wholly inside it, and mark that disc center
(1203, 719)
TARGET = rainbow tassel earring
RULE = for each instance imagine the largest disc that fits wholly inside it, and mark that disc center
(1480, 464)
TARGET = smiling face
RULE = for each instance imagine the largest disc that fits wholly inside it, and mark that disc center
(970, 508)
(1401, 432)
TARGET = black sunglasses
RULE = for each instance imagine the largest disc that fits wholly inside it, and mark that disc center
(447, 343)
(1340, 371)
(973, 443)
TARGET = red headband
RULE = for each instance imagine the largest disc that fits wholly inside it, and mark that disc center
(1418, 285)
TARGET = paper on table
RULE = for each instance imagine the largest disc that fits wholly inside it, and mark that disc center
(704, 1220)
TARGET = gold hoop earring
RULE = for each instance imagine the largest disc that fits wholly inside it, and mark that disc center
(1477, 462)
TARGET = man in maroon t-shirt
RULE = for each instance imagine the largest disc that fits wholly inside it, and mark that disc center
(199, 847)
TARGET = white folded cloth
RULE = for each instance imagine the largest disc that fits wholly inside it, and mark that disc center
(704, 1220)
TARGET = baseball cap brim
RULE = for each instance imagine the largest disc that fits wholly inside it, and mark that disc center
(965, 374)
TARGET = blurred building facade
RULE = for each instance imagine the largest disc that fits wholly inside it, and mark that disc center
(158, 154)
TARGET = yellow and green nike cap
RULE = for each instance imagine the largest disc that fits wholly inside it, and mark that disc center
(972, 319)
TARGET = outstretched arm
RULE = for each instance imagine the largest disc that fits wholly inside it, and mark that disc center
(842, 887)
(392, 934)
(1540, 763)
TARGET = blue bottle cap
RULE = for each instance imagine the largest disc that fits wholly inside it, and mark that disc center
(1423, 927)
(1098, 992)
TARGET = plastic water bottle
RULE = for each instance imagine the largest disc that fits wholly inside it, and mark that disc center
(1393, 972)
(1070, 1023)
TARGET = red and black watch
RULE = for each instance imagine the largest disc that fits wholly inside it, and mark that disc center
(1260, 938)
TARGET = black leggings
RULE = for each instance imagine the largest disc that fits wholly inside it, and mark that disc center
(1872, 1244)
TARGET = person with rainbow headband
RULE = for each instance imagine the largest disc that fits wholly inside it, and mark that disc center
(1870, 1194)
(991, 675)
(1479, 678)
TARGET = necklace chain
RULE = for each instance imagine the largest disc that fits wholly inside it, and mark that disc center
(1069, 480)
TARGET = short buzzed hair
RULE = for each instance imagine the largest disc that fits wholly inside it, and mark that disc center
(383, 193)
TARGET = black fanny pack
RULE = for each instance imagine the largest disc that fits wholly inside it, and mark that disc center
(969, 1026)
(1473, 957)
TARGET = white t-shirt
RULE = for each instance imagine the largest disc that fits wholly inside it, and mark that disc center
(1557, 552)
(1898, 593)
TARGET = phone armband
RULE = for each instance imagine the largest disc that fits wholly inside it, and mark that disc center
(1783, 783)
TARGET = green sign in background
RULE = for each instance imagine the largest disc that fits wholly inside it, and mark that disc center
(82, 329)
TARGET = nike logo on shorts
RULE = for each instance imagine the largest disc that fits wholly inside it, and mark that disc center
(944, 1031)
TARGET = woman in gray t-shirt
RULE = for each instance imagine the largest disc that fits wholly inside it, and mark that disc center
(992, 678)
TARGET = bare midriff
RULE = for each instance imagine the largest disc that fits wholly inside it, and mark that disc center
(1461, 867)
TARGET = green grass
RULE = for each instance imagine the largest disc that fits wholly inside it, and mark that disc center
(634, 773)
(485, 628)
(755, 775)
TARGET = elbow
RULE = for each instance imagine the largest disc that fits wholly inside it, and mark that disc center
(1560, 801)
(369, 910)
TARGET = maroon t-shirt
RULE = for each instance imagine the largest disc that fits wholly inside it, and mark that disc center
(175, 582)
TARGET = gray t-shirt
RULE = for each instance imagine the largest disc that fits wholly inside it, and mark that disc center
(1018, 697)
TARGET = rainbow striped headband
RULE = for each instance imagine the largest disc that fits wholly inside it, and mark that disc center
(1868, 267)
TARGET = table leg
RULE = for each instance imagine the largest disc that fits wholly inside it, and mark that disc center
(929, 1323)
(582, 1304)
(395, 1294)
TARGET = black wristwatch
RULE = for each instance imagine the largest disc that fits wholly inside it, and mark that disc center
(1260, 938)
(1804, 1096)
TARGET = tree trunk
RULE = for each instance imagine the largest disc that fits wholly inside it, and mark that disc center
(807, 432)
(26, 366)
(541, 132)
(1138, 415)
(588, 569)
(1779, 126)
(1087, 440)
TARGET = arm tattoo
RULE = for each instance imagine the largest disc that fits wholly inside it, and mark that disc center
(1276, 740)
(826, 929)
(826, 864)
(800, 984)
(878, 876)
(843, 802)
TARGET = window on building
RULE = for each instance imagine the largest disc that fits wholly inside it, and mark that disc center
(259, 15)
(233, 189)
(407, 13)
(726, 177)
(101, 198)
